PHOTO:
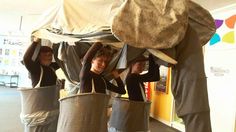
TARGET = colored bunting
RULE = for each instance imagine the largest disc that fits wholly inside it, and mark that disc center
(215, 39)
(218, 23)
(228, 37)
(230, 22)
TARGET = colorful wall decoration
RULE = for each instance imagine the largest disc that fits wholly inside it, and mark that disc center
(219, 56)
(229, 36)
(11, 53)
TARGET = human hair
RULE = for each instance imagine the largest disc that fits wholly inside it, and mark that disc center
(137, 59)
(45, 49)
(106, 51)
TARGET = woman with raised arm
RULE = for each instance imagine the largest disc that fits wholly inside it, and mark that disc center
(134, 79)
(94, 63)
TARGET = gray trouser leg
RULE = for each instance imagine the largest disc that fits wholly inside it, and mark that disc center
(197, 122)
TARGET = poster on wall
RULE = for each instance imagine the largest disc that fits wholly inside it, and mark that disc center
(163, 84)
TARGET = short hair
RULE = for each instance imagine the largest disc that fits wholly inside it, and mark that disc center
(106, 51)
(139, 59)
(45, 49)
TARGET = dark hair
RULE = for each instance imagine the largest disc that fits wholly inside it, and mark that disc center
(44, 49)
(105, 51)
(139, 59)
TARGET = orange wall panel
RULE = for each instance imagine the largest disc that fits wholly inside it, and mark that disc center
(161, 101)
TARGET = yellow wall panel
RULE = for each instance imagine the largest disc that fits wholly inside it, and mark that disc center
(161, 101)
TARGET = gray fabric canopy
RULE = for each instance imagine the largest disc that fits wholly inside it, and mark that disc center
(175, 33)
(76, 30)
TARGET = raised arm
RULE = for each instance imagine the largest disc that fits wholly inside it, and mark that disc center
(91, 52)
(120, 88)
(31, 65)
(153, 73)
(88, 57)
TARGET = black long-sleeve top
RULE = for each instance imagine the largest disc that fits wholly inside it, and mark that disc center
(134, 80)
(100, 83)
(49, 76)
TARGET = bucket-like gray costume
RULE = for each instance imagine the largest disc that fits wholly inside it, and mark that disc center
(129, 116)
(85, 112)
(39, 108)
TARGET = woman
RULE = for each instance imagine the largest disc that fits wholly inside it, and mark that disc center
(137, 112)
(94, 63)
(42, 70)
(42, 100)
(134, 79)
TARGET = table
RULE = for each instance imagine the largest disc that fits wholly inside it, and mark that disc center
(9, 80)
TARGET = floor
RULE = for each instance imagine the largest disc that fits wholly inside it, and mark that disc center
(10, 111)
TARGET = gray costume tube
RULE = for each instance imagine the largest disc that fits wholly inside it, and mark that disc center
(130, 116)
(85, 112)
(39, 108)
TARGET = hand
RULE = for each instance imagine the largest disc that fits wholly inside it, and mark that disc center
(35, 39)
(170, 65)
(115, 73)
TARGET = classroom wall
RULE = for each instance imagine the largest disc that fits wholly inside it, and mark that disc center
(15, 32)
(161, 106)
(219, 56)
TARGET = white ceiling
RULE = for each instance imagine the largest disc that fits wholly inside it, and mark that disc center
(215, 4)
(38, 6)
(23, 7)
(23, 14)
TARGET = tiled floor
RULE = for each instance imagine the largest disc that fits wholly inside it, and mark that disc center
(10, 110)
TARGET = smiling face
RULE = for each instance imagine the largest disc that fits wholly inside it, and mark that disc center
(45, 58)
(99, 64)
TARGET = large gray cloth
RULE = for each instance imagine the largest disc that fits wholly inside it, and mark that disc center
(130, 116)
(202, 22)
(39, 108)
(85, 112)
(197, 122)
(189, 86)
(70, 58)
(146, 24)
(123, 58)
